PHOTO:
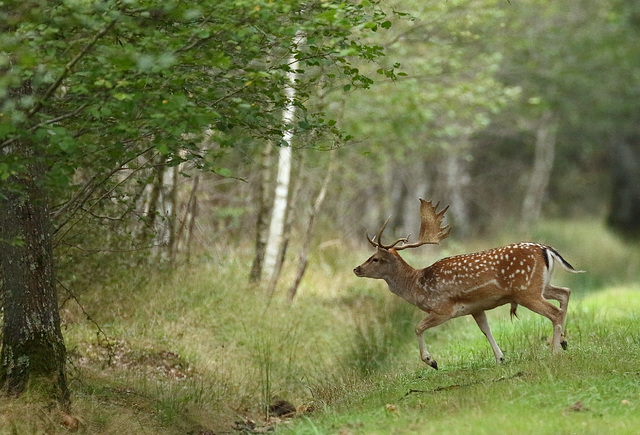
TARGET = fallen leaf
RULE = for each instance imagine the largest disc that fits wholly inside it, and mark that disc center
(391, 408)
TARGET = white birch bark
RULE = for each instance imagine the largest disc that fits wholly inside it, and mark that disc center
(280, 201)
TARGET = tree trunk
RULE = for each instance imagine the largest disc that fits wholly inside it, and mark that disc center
(280, 202)
(303, 257)
(624, 212)
(289, 220)
(156, 188)
(172, 216)
(262, 221)
(184, 233)
(457, 180)
(33, 351)
(541, 173)
(398, 195)
(278, 213)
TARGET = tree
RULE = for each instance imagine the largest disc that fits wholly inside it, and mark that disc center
(415, 133)
(94, 93)
(541, 173)
(624, 212)
(576, 61)
(275, 240)
(33, 351)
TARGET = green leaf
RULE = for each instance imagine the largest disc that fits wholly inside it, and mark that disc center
(371, 25)
(4, 171)
(121, 96)
(224, 172)
(6, 130)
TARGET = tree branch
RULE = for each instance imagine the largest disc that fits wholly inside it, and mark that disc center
(68, 67)
(87, 190)
(102, 197)
(47, 122)
(88, 317)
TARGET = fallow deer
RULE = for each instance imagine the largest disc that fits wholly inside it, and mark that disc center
(518, 274)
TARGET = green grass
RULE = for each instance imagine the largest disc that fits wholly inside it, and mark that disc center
(200, 351)
(594, 387)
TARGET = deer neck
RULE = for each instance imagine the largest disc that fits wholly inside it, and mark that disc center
(403, 281)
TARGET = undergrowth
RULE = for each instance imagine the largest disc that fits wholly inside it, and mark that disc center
(198, 350)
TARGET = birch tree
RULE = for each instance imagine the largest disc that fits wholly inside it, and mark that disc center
(275, 239)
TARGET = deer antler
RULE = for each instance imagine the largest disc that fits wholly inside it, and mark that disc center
(379, 244)
(431, 229)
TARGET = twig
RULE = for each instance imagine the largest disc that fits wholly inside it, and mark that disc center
(87, 190)
(90, 250)
(88, 317)
(68, 67)
(47, 122)
(110, 218)
(61, 117)
(101, 198)
(468, 384)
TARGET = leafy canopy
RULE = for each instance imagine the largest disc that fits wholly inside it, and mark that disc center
(95, 84)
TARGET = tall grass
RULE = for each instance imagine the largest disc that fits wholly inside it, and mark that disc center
(198, 350)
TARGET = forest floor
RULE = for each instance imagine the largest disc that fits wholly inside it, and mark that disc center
(199, 351)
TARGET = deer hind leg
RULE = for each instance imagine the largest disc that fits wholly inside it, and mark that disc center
(483, 324)
(551, 312)
(560, 294)
(428, 322)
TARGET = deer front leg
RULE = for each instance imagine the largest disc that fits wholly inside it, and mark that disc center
(483, 324)
(428, 322)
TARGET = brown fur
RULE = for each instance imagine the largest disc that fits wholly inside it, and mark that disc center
(518, 274)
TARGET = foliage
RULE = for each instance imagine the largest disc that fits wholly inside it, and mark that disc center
(102, 90)
(563, 58)
(480, 77)
(576, 61)
(448, 90)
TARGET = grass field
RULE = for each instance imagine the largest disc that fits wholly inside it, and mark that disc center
(199, 351)
(594, 387)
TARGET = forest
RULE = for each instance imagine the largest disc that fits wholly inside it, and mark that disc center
(186, 189)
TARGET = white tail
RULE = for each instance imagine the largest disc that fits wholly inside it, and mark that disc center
(518, 274)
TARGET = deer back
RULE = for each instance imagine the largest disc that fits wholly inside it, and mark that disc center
(485, 279)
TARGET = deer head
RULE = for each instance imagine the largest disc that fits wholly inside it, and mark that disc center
(381, 265)
(386, 263)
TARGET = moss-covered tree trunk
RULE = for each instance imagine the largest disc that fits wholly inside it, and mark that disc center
(33, 354)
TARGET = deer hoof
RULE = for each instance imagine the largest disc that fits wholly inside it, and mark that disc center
(433, 364)
(564, 344)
